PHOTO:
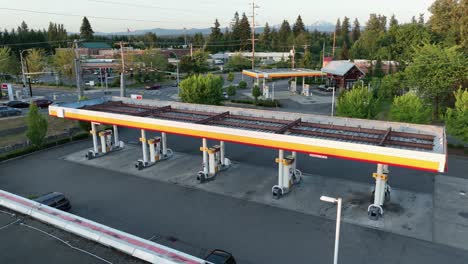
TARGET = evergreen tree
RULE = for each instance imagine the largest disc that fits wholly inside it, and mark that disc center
(284, 32)
(344, 54)
(345, 26)
(306, 61)
(393, 22)
(235, 29)
(215, 37)
(421, 19)
(298, 27)
(356, 34)
(338, 27)
(413, 20)
(245, 32)
(265, 38)
(86, 31)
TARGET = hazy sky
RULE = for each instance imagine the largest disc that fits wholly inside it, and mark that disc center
(146, 14)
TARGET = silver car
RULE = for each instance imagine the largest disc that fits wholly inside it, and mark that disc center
(9, 111)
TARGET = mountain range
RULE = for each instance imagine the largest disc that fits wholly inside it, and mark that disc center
(322, 26)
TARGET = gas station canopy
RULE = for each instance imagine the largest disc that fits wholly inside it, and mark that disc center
(414, 146)
(282, 73)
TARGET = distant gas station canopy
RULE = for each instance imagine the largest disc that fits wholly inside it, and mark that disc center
(281, 73)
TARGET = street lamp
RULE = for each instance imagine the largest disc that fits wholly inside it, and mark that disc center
(338, 221)
(177, 65)
(333, 102)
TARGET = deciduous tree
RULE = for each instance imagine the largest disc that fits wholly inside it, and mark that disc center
(410, 108)
(202, 89)
(358, 103)
(457, 117)
(435, 72)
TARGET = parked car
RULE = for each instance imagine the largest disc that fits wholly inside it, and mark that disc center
(153, 87)
(218, 256)
(56, 200)
(18, 104)
(43, 103)
(9, 111)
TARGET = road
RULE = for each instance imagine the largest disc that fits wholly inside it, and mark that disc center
(199, 221)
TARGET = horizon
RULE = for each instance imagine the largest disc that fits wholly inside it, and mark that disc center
(141, 15)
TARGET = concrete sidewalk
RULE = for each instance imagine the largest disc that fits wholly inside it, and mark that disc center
(408, 213)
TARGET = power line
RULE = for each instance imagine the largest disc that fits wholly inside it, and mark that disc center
(95, 17)
(139, 5)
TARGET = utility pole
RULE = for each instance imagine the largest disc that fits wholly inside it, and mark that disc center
(122, 74)
(323, 55)
(334, 42)
(191, 50)
(77, 70)
(24, 76)
(253, 33)
(29, 79)
(293, 62)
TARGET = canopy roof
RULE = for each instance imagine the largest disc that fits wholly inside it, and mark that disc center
(281, 73)
(419, 147)
(339, 68)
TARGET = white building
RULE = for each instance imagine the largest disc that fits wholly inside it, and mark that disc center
(266, 57)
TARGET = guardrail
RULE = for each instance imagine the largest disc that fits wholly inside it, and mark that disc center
(124, 242)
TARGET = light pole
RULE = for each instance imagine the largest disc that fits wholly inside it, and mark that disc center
(177, 65)
(333, 102)
(338, 222)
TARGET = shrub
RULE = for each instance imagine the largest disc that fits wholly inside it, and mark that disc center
(357, 103)
(256, 92)
(202, 89)
(230, 77)
(231, 90)
(242, 85)
(457, 117)
(410, 108)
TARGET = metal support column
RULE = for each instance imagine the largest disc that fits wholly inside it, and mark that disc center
(116, 136)
(222, 153)
(102, 135)
(151, 144)
(375, 210)
(380, 181)
(294, 155)
(205, 157)
(164, 144)
(303, 84)
(281, 181)
(144, 146)
(95, 139)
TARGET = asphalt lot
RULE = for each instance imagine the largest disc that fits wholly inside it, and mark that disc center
(196, 221)
(412, 180)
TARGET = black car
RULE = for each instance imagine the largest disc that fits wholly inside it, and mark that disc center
(8, 111)
(218, 256)
(56, 200)
(153, 87)
(43, 103)
(18, 104)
